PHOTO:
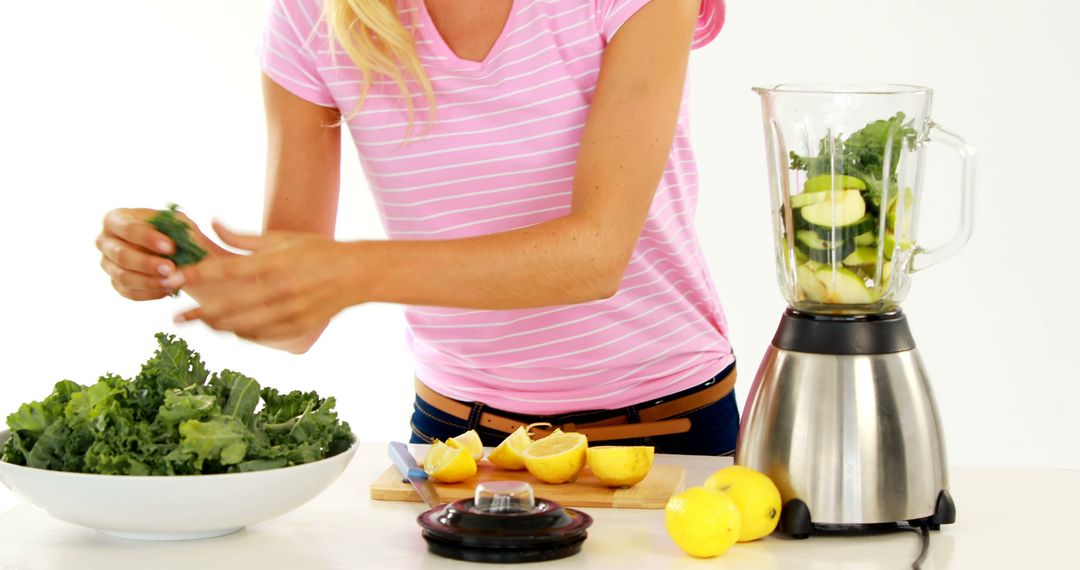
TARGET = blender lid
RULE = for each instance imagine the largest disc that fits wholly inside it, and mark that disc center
(497, 527)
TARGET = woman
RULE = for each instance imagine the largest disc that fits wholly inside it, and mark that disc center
(538, 188)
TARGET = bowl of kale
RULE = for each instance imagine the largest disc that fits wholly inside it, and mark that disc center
(177, 452)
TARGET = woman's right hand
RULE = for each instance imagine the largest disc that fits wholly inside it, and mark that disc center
(132, 253)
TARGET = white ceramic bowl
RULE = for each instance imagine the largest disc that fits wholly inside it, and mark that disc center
(171, 508)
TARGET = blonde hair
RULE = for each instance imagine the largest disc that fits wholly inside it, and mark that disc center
(380, 45)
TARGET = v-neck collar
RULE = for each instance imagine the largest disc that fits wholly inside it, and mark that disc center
(439, 45)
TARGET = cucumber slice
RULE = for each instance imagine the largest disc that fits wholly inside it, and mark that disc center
(824, 182)
(844, 287)
(838, 209)
(862, 256)
(849, 232)
(808, 282)
(807, 198)
(867, 238)
(820, 250)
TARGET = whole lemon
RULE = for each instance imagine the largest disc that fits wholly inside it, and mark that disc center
(756, 496)
(703, 522)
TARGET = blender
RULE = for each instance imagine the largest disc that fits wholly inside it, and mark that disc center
(841, 415)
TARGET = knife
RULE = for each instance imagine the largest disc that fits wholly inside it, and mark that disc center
(406, 464)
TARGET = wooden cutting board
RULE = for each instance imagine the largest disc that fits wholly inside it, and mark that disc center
(653, 492)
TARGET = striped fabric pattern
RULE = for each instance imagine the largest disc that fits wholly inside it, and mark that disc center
(499, 154)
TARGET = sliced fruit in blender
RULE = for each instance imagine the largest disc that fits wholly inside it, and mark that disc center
(851, 231)
(821, 250)
(889, 245)
(838, 209)
(890, 212)
(824, 182)
(862, 256)
(866, 238)
(844, 286)
(815, 290)
(807, 198)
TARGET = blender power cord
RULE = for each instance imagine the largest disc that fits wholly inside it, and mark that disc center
(924, 531)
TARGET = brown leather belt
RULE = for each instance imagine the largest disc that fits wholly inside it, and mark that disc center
(654, 419)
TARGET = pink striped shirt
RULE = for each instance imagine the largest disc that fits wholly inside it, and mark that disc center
(499, 155)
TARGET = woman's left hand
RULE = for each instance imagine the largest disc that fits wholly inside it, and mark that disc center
(290, 284)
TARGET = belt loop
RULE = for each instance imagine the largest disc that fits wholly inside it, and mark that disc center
(474, 415)
(632, 416)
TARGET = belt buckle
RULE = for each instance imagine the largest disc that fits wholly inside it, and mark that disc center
(539, 430)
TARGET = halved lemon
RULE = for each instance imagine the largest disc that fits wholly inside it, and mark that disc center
(447, 464)
(556, 458)
(620, 466)
(469, 441)
(508, 454)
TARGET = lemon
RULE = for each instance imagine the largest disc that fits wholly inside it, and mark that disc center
(754, 494)
(556, 458)
(447, 464)
(470, 441)
(703, 522)
(620, 466)
(431, 452)
(508, 453)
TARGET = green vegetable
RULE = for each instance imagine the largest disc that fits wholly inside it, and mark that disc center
(187, 251)
(862, 154)
(171, 420)
(823, 182)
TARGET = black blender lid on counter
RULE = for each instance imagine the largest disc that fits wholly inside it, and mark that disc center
(504, 523)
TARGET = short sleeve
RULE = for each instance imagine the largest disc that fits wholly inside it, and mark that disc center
(612, 14)
(290, 46)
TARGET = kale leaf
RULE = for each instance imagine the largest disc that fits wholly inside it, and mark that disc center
(169, 420)
(187, 250)
(862, 154)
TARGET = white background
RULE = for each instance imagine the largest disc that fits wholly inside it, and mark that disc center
(143, 102)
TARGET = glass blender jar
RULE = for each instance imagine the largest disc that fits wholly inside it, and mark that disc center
(845, 173)
(841, 415)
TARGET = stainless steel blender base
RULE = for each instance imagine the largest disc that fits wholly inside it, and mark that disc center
(855, 438)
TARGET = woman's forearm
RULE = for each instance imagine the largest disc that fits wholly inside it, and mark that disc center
(562, 261)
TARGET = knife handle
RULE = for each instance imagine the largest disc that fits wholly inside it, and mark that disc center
(405, 462)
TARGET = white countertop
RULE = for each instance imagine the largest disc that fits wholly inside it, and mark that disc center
(1007, 518)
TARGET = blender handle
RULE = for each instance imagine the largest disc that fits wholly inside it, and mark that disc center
(924, 257)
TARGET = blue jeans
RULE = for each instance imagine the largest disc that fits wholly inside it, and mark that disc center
(713, 428)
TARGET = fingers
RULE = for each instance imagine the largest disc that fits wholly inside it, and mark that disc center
(250, 242)
(136, 294)
(229, 299)
(262, 316)
(131, 258)
(216, 269)
(125, 225)
(134, 280)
